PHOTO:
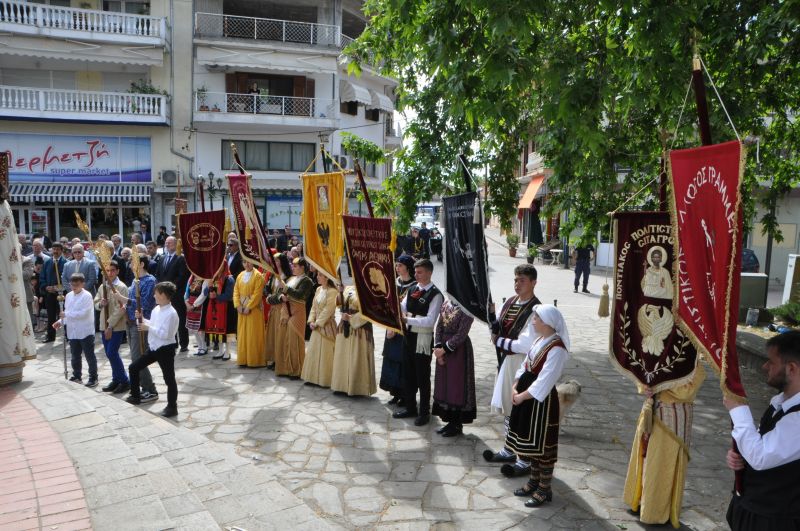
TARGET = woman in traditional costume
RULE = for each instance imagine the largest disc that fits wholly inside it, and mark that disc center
(392, 368)
(454, 383)
(318, 365)
(194, 297)
(533, 424)
(354, 353)
(660, 452)
(273, 331)
(290, 348)
(215, 319)
(248, 293)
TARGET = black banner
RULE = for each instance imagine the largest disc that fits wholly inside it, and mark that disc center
(466, 254)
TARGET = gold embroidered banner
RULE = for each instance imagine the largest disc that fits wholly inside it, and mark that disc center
(323, 206)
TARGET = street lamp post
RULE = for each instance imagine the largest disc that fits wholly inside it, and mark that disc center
(212, 187)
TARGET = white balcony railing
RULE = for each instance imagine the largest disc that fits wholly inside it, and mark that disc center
(78, 104)
(82, 20)
(262, 104)
(212, 25)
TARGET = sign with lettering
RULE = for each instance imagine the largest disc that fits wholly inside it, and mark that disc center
(77, 159)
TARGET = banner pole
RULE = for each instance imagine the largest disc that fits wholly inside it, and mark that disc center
(364, 191)
(700, 99)
(465, 171)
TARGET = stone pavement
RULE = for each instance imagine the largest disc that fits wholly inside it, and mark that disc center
(255, 451)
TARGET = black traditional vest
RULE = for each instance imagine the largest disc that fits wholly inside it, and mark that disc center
(418, 306)
(512, 329)
(772, 492)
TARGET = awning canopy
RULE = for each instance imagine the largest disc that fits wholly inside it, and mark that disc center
(103, 194)
(351, 92)
(381, 101)
(530, 192)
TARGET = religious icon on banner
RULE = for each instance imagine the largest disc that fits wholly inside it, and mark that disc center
(323, 206)
(646, 345)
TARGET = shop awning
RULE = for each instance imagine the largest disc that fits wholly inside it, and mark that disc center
(381, 101)
(351, 92)
(103, 194)
(530, 192)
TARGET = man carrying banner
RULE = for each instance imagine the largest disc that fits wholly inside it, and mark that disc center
(769, 459)
(512, 336)
(420, 308)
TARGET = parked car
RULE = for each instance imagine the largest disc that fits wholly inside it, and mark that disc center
(750, 261)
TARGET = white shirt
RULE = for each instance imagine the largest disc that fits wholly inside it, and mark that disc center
(79, 314)
(551, 371)
(162, 326)
(777, 447)
(433, 309)
(524, 341)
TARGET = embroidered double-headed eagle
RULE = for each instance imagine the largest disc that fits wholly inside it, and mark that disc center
(655, 325)
(324, 231)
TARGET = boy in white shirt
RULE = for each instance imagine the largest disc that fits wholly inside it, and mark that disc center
(78, 317)
(162, 327)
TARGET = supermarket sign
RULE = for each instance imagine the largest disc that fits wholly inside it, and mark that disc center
(77, 159)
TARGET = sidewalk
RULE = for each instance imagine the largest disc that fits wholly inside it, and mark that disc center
(255, 451)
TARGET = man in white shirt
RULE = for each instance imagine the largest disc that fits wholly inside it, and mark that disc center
(769, 458)
(78, 317)
(420, 308)
(162, 328)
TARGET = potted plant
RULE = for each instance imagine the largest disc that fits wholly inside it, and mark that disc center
(533, 252)
(215, 108)
(513, 242)
(202, 95)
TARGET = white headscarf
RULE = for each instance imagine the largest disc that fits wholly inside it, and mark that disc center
(552, 317)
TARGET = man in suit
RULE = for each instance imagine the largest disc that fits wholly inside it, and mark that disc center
(117, 240)
(234, 258)
(50, 285)
(154, 257)
(172, 268)
(146, 234)
(283, 239)
(81, 264)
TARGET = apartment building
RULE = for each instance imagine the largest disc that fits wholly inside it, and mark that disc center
(113, 108)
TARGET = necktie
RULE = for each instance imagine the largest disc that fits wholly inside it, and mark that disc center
(167, 261)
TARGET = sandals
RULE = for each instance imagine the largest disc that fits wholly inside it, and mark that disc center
(540, 497)
(526, 490)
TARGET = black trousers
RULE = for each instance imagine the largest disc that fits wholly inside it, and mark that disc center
(183, 333)
(417, 373)
(165, 357)
(51, 304)
(582, 268)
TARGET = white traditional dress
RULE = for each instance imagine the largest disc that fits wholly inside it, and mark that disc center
(16, 332)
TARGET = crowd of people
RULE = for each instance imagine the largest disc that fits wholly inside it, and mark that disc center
(286, 321)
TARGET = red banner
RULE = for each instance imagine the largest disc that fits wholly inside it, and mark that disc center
(249, 229)
(646, 345)
(706, 214)
(372, 264)
(203, 241)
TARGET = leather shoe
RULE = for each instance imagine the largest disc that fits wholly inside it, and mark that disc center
(494, 457)
(124, 387)
(110, 387)
(452, 431)
(169, 412)
(404, 414)
(539, 497)
(422, 420)
(443, 429)
(393, 401)
(512, 471)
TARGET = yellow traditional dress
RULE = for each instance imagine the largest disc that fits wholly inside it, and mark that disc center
(248, 292)
(354, 353)
(290, 345)
(318, 365)
(657, 466)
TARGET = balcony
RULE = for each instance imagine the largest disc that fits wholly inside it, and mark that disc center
(394, 136)
(283, 112)
(81, 24)
(216, 26)
(83, 106)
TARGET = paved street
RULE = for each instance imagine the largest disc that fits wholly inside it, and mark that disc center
(259, 452)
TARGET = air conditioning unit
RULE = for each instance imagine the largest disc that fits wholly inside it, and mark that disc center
(171, 178)
(344, 161)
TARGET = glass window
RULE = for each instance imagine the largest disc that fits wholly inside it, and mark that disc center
(105, 220)
(302, 155)
(132, 218)
(280, 156)
(68, 225)
(227, 156)
(257, 156)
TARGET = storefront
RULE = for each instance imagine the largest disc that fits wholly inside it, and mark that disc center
(105, 179)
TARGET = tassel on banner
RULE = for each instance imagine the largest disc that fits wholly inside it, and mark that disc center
(476, 212)
(227, 227)
(603, 311)
(393, 241)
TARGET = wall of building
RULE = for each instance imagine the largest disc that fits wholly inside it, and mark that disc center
(788, 215)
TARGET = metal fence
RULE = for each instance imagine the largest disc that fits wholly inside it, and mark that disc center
(266, 29)
(262, 104)
(87, 102)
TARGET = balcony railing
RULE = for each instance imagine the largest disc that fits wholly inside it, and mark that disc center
(262, 104)
(82, 20)
(211, 25)
(78, 104)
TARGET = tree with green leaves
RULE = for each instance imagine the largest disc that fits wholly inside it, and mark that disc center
(599, 86)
